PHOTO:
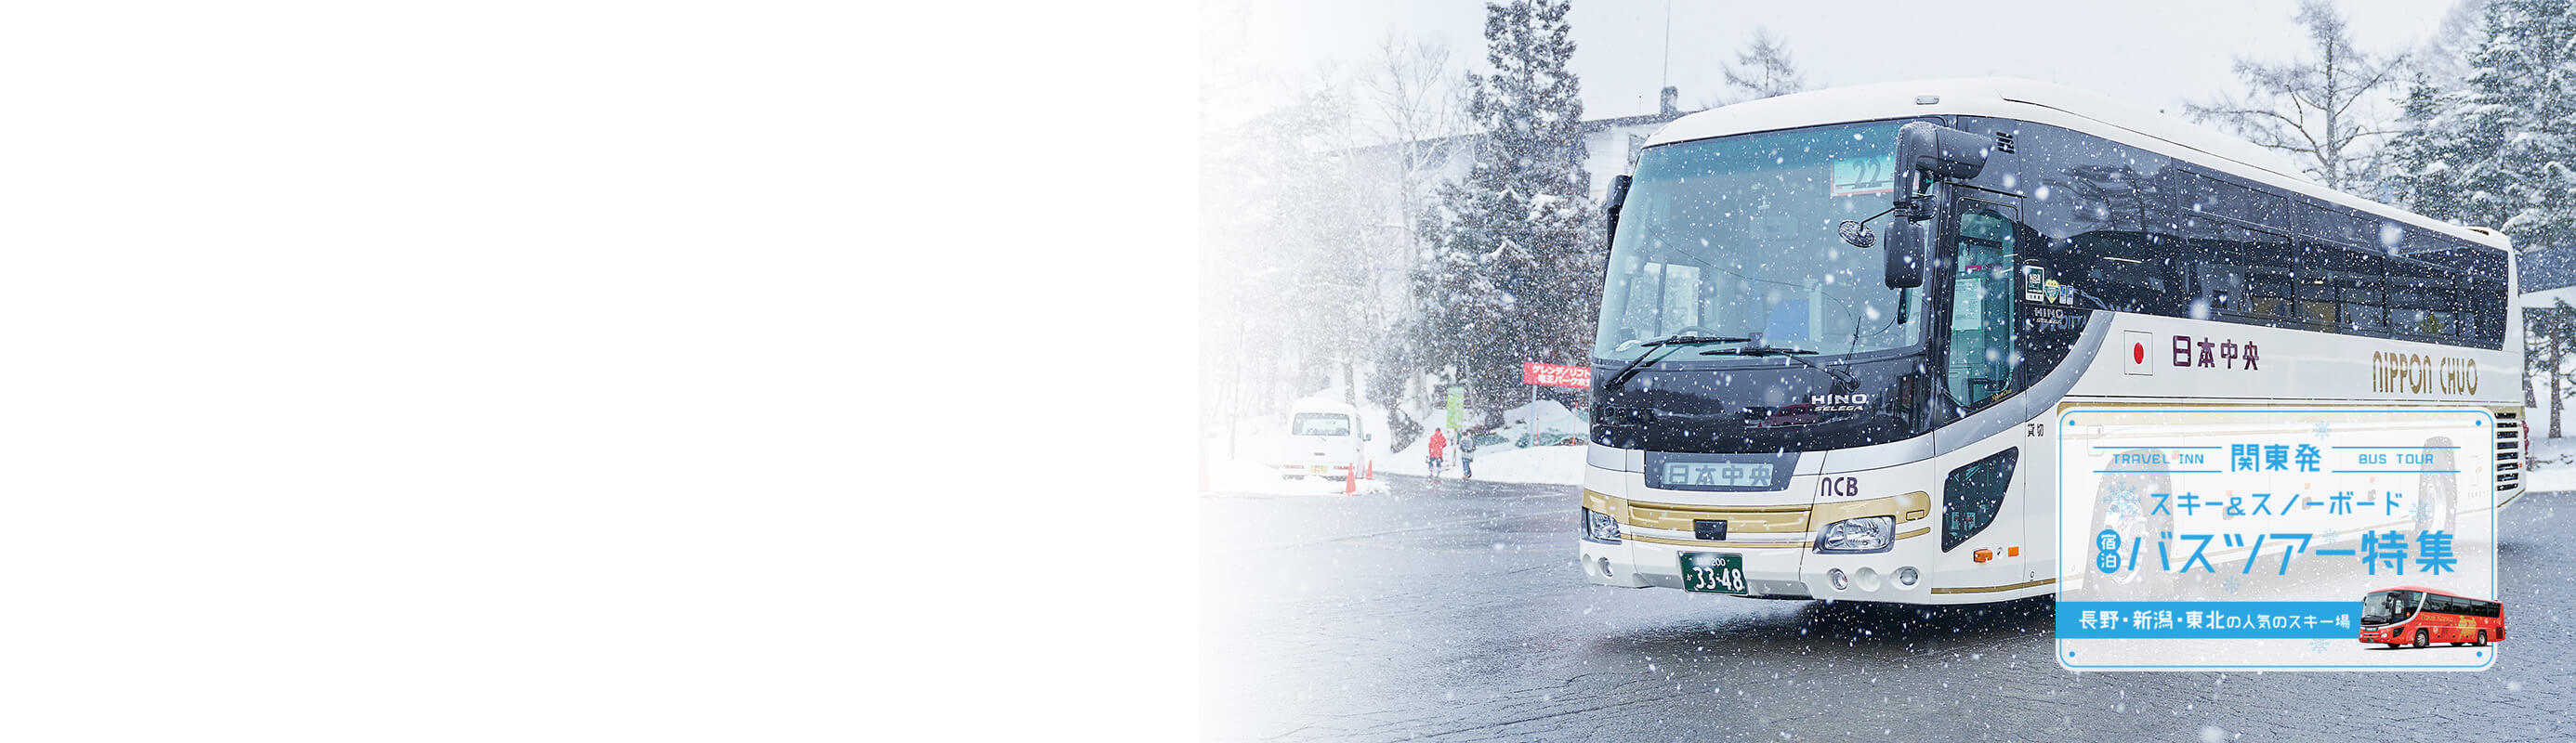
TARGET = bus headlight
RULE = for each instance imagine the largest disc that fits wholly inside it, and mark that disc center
(1598, 527)
(1860, 535)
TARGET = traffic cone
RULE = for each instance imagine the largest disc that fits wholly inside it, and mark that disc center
(1372, 469)
(1350, 484)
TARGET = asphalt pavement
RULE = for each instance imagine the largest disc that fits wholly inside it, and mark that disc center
(1453, 610)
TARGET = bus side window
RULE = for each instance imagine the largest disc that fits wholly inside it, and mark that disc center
(2417, 306)
(1982, 305)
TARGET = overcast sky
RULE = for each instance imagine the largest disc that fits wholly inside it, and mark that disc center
(2156, 54)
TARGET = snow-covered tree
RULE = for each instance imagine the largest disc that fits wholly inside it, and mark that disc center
(2550, 338)
(2498, 151)
(1414, 111)
(2416, 166)
(2443, 59)
(1763, 69)
(1288, 304)
(1515, 270)
(1413, 108)
(2322, 112)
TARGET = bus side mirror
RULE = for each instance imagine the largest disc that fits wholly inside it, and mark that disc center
(1940, 151)
(1925, 154)
(1904, 254)
(1610, 207)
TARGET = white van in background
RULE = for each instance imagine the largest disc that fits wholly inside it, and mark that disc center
(1323, 440)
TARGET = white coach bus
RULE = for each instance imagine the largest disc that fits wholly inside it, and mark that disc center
(1789, 406)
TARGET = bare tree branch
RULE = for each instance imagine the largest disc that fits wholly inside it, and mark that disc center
(2324, 109)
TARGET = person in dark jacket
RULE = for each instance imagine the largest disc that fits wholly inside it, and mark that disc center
(1466, 456)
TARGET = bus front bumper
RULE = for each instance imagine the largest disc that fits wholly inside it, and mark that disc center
(1770, 572)
(1796, 572)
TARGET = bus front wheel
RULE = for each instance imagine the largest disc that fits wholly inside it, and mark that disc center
(2422, 640)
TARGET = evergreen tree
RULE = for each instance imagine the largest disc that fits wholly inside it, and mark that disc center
(2417, 164)
(2550, 337)
(1516, 267)
(1766, 70)
(2498, 152)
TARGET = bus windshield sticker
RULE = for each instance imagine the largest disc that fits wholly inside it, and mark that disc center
(1863, 175)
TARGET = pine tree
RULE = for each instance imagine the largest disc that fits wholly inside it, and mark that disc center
(1515, 270)
(2498, 152)
(2551, 336)
(2417, 164)
(1766, 69)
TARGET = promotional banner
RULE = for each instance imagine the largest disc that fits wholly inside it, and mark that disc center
(2208, 538)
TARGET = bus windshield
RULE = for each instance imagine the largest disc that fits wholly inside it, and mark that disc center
(1734, 237)
(1321, 424)
(2390, 607)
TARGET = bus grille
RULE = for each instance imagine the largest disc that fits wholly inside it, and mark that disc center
(2508, 451)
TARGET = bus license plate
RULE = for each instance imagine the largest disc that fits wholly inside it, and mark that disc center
(1317, 469)
(1710, 572)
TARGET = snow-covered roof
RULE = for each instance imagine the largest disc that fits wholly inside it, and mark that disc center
(1321, 405)
(2549, 298)
(2038, 102)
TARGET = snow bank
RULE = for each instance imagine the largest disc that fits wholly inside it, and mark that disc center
(1249, 472)
(1243, 462)
(2555, 461)
(1246, 476)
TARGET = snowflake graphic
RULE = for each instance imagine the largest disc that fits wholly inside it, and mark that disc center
(2324, 431)
(2318, 646)
(2231, 583)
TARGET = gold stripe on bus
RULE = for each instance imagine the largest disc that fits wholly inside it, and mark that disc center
(1993, 589)
(1787, 519)
(1727, 545)
(1908, 507)
(1758, 520)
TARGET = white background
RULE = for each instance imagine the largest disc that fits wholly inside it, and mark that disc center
(2153, 54)
(593, 371)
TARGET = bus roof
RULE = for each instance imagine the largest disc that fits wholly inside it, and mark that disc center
(2452, 594)
(2044, 103)
(1321, 405)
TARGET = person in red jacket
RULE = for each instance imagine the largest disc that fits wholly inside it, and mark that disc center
(1438, 443)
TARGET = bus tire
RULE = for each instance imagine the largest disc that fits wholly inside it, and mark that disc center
(2482, 638)
(2422, 640)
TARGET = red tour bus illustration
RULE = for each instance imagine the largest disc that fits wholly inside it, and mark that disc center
(2419, 616)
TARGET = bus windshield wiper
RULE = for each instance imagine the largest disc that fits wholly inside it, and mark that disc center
(1793, 354)
(1659, 344)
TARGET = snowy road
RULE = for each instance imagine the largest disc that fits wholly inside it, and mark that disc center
(1454, 611)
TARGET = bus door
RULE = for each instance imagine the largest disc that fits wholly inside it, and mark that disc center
(1986, 509)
